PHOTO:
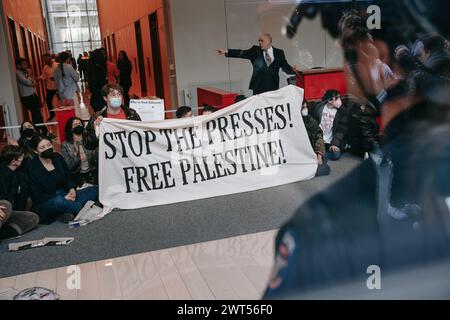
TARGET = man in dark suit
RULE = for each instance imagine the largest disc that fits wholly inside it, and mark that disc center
(266, 61)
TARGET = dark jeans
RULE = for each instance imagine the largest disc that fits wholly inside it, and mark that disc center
(58, 205)
(332, 155)
(16, 223)
(50, 95)
(32, 104)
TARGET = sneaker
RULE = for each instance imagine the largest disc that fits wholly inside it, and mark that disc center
(65, 218)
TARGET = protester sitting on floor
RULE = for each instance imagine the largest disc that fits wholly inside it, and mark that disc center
(81, 161)
(184, 112)
(315, 136)
(13, 195)
(333, 120)
(27, 131)
(15, 223)
(51, 186)
(13, 186)
(207, 109)
(115, 109)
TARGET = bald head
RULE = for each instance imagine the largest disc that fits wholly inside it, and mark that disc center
(265, 41)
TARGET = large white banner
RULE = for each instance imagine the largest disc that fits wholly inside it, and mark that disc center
(257, 143)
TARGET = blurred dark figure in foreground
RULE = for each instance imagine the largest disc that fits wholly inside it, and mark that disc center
(390, 216)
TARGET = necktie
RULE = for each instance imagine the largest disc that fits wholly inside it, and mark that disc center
(267, 57)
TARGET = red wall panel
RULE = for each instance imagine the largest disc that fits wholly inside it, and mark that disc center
(27, 13)
(118, 17)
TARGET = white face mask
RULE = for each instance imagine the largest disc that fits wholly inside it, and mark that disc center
(115, 102)
(305, 112)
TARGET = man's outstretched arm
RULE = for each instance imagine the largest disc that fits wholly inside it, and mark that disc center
(237, 53)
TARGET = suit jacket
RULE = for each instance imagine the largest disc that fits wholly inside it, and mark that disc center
(264, 78)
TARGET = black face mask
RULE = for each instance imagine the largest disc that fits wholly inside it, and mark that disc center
(78, 130)
(47, 154)
(28, 133)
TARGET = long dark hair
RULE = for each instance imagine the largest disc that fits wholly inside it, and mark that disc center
(125, 61)
(37, 139)
(10, 153)
(125, 56)
(22, 124)
(68, 128)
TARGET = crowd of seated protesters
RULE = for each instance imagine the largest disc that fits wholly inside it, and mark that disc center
(35, 177)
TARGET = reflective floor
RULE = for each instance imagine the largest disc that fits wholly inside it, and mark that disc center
(233, 268)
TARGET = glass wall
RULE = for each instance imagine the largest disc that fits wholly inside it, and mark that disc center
(72, 25)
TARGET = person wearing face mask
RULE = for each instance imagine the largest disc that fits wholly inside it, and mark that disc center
(115, 109)
(315, 136)
(13, 221)
(27, 131)
(81, 161)
(333, 121)
(51, 186)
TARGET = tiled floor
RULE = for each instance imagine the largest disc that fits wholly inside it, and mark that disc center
(233, 268)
